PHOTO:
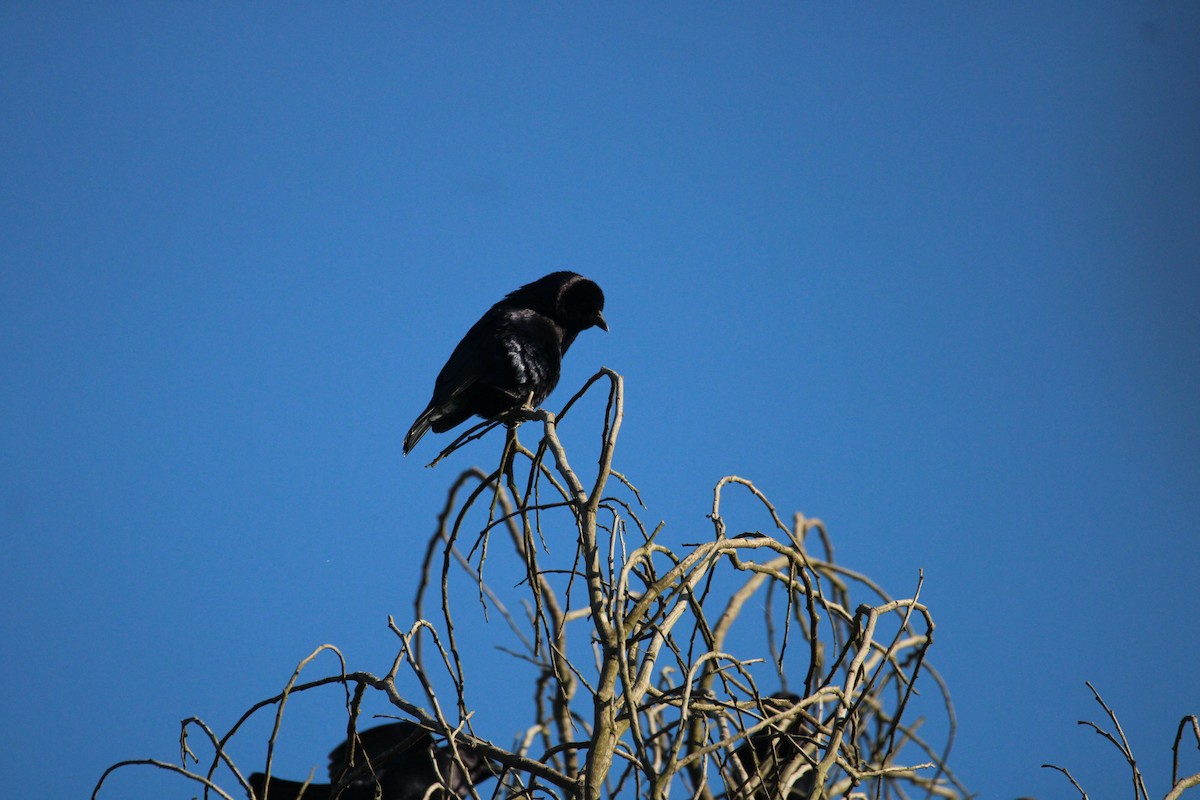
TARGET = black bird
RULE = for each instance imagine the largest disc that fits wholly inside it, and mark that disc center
(398, 759)
(513, 354)
(771, 751)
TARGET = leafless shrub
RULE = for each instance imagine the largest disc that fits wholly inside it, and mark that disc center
(645, 683)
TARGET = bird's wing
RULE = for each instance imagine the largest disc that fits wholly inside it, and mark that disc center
(472, 360)
(492, 353)
(378, 747)
(479, 768)
(281, 789)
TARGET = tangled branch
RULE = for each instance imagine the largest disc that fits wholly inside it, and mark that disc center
(746, 666)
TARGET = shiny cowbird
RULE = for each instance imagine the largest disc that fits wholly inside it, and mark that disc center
(775, 752)
(390, 762)
(511, 357)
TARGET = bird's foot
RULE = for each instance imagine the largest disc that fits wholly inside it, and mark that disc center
(518, 415)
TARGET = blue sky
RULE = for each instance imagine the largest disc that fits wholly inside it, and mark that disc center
(931, 274)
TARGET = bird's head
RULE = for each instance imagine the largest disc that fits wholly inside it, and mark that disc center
(581, 305)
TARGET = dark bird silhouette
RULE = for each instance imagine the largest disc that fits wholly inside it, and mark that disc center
(773, 751)
(512, 356)
(398, 760)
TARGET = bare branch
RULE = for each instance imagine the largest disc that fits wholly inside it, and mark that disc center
(656, 665)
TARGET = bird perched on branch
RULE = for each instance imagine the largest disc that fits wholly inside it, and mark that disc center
(511, 357)
(389, 762)
(775, 753)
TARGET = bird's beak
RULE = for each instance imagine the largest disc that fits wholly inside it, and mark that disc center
(600, 323)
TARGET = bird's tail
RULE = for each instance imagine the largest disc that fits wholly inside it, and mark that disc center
(288, 790)
(420, 427)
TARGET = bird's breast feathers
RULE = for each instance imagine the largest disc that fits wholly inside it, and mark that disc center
(531, 346)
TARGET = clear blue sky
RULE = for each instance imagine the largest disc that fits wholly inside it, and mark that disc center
(931, 274)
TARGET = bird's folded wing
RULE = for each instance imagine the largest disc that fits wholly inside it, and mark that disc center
(378, 747)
